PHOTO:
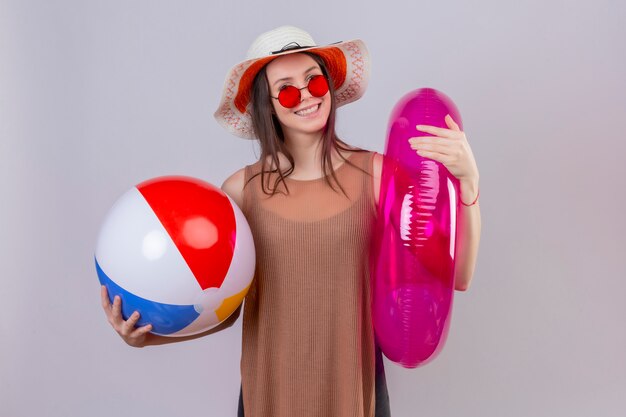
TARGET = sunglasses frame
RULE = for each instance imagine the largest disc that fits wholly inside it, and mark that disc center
(299, 99)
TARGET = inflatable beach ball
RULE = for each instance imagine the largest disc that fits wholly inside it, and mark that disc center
(179, 251)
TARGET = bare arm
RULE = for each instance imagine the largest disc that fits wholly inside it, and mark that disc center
(469, 225)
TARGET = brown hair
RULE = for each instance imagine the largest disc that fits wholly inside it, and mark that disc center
(272, 140)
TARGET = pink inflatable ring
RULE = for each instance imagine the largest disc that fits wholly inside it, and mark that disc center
(413, 250)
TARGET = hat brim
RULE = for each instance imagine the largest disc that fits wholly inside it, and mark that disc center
(348, 66)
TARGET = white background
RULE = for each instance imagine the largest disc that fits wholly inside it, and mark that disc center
(98, 96)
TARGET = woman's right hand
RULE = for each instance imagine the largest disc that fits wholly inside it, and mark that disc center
(133, 336)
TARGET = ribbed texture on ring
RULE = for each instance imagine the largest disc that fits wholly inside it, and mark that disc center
(308, 344)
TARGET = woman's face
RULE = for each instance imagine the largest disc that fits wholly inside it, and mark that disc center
(311, 114)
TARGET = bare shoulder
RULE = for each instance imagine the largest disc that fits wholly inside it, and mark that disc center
(233, 186)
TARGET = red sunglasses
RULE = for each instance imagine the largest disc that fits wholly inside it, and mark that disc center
(289, 96)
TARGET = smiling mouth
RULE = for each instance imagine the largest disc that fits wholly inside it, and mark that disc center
(309, 110)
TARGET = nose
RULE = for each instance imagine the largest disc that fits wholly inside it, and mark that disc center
(305, 93)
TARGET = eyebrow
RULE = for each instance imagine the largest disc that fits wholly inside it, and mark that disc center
(289, 78)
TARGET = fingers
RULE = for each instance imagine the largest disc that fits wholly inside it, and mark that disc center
(451, 123)
(126, 328)
(104, 298)
(129, 325)
(442, 148)
(439, 157)
(445, 133)
(116, 310)
(431, 139)
(106, 305)
(141, 331)
(132, 335)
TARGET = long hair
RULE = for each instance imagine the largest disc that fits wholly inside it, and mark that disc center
(272, 139)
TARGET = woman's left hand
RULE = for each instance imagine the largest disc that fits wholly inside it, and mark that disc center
(450, 147)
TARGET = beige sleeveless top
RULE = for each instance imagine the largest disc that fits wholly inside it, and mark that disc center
(308, 342)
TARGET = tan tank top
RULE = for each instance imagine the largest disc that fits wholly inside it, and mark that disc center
(308, 343)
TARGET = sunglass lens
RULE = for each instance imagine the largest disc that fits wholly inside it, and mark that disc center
(318, 86)
(289, 96)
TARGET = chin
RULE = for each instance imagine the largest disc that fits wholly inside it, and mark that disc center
(311, 125)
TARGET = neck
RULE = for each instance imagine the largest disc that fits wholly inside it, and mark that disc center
(306, 150)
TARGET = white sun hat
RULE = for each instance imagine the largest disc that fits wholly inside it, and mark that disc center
(348, 66)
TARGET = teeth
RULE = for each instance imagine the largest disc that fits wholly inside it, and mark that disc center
(307, 111)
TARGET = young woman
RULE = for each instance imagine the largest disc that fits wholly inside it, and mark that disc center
(308, 346)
